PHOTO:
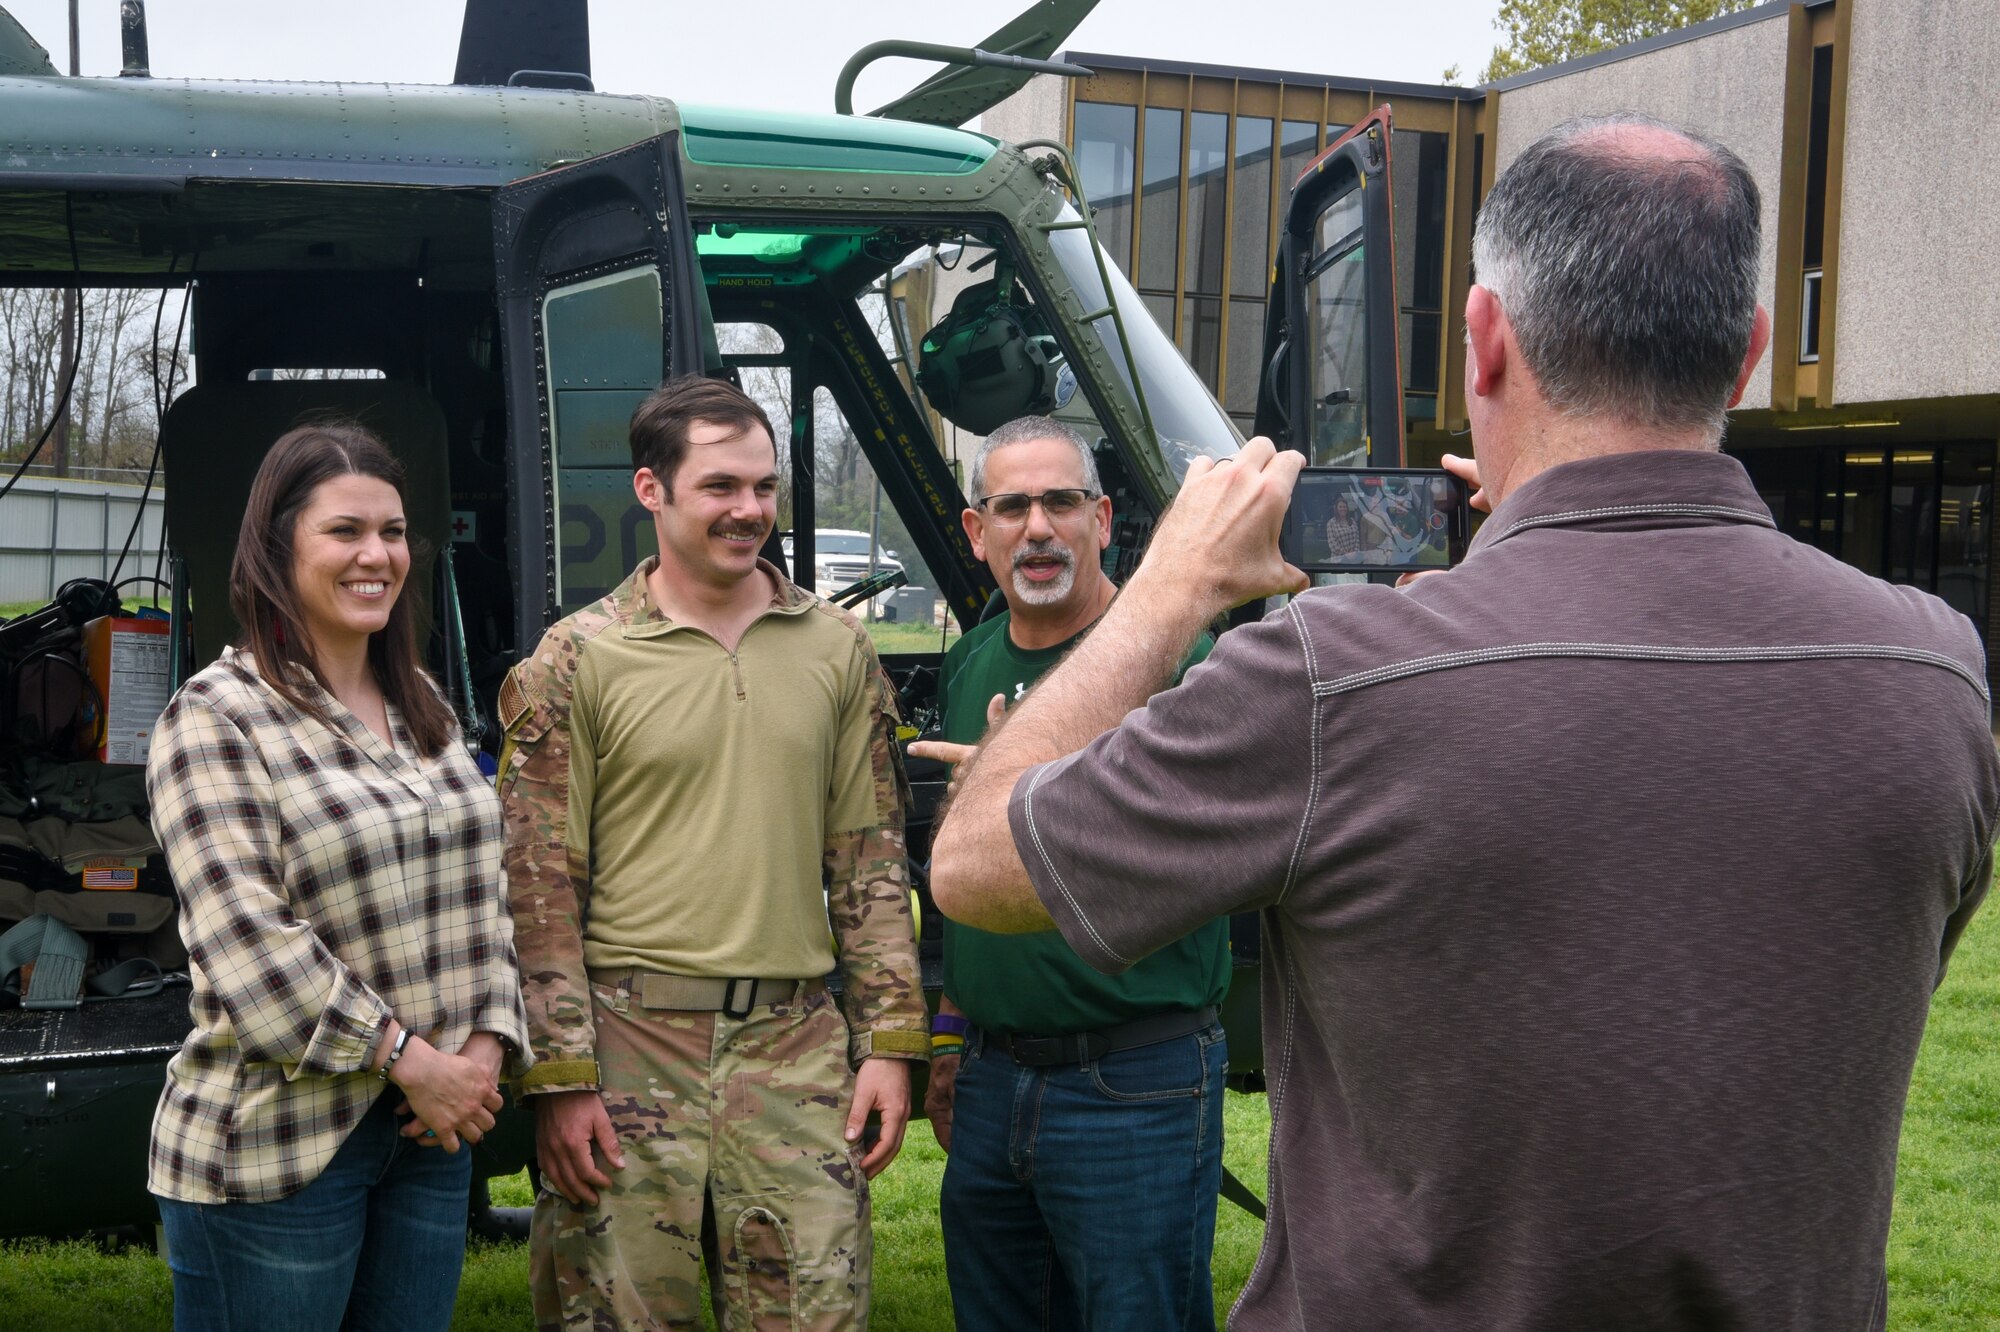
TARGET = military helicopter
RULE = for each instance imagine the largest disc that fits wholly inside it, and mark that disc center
(492, 273)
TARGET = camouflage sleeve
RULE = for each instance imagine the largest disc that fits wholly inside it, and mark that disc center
(868, 897)
(548, 883)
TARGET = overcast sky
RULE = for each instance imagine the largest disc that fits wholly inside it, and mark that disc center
(782, 54)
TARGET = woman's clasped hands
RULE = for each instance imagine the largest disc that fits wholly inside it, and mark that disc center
(453, 1097)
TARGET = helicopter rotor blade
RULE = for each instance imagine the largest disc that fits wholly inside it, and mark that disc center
(955, 95)
(538, 42)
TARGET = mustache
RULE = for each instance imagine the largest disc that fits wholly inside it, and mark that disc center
(728, 529)
(1048, 549)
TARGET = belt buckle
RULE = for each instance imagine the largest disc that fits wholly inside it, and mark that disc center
(729, 1009)
(1039, 1051)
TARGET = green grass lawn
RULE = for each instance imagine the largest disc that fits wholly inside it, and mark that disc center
(1944, 1245)
(896, 637)
(1944, 1242)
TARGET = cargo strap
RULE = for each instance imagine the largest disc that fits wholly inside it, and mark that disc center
(704, 994)
(54, 956)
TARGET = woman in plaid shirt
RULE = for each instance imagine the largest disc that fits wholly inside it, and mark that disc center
(338, 859)
(1343, 533)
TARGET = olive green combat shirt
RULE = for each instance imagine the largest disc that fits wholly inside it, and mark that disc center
(671, 804)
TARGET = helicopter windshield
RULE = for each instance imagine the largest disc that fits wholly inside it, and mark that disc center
(1186, 417)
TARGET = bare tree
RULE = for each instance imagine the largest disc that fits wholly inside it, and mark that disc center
(770, 386)
(31, 316)
(114, 411)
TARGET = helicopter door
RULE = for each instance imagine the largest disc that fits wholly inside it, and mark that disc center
(1333, 384)
(595, 268)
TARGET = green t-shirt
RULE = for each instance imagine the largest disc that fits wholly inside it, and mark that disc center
(1034, 983)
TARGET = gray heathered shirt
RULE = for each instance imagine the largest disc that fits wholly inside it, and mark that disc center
(1605, 881)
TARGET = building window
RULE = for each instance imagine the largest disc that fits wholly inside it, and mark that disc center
(1818, 135)
(1160, 214)
(1809, 318)
(1250, 226)
(1791, 482)
(1911, 529)
(1296, 147)
(1858, 510)
(1105, 135)
(1249, 265)
(1187, 202)
(1207, 217)
(1813, 252)
(1418, 163)
(1912, 515)
(1965, 505)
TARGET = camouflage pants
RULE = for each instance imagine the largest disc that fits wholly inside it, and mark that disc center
(732, 1131)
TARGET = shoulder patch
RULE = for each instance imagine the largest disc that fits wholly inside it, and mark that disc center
(847, 618)
(514, 702)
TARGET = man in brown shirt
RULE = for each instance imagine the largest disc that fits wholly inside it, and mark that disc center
(1598, 1007)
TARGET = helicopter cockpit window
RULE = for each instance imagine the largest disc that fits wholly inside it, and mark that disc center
(770, 247)
(603, 354)
(992, 359)
(903, 344)
(1337, 332)
(984, 352)
(1186, 417)
(864, 555)
(755, 353)
(861, 552)
(971, 346)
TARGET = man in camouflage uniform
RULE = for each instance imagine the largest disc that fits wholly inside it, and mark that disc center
(682, 760)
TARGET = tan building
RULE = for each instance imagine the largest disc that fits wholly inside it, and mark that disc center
(1871, 428)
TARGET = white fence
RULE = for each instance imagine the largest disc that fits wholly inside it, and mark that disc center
(55, 529)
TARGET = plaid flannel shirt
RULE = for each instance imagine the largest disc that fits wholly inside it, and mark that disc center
(328, 881)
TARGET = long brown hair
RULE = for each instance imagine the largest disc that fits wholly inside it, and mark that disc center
(266, 601)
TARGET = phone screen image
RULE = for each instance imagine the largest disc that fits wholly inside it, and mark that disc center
(1353, 520)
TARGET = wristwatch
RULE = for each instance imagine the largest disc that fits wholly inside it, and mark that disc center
(395, 1053)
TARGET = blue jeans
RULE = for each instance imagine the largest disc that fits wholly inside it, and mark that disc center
(374, 1244)
(1082, 1196)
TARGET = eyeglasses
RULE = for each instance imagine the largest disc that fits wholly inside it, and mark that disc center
(1011, 509)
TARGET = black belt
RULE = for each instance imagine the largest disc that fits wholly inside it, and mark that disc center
(1083, 1046)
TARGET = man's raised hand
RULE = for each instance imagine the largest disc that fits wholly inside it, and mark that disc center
(1218, 543)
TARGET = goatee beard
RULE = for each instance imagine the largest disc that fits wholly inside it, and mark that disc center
(1056, 589)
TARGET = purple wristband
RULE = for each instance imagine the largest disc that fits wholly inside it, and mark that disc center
(950, 1022)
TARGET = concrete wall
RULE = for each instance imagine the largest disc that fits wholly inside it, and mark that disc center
(1919, 258)
(1730, 85)
(1037, 111)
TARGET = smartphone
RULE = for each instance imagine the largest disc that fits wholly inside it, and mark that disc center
(1376, 520)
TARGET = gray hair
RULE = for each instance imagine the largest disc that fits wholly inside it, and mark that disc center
(1024, 430)
(1630, 279)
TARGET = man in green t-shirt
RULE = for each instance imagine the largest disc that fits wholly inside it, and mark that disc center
(1082, 1112)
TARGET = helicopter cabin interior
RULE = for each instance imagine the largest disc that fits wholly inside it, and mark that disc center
(865, 338)
(374, 303)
